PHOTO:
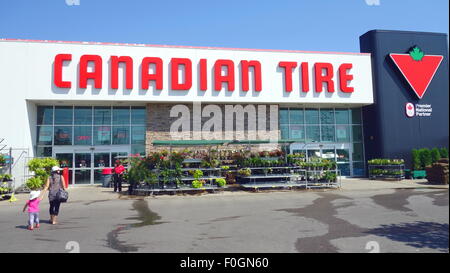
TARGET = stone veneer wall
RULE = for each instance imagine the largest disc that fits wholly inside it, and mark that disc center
(159, 122)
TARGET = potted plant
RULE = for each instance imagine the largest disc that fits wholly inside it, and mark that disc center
(221, 182)
(245, 172)
(197, 184)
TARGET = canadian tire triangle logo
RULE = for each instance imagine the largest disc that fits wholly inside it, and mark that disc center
(417, 68)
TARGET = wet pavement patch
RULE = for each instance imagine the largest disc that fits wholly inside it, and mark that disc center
(146, 218)
(399, 203)
(415, 234)
(324, 211)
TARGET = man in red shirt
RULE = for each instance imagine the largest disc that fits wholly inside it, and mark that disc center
(118, 174)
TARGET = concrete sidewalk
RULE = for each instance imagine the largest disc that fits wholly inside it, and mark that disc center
(98, 193)
(367, 184)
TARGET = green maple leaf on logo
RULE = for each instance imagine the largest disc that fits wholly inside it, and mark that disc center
(416, 54)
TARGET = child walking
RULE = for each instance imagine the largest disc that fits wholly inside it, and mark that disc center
(33, 208)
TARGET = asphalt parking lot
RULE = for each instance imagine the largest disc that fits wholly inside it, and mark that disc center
(97, 220)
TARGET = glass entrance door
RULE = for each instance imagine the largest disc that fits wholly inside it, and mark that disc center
(86, 164)
(82, 170)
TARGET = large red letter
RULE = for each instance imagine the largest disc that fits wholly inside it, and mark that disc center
(57, 70)
(305, 77)
(174, 65)
(219, 79)
(157, 77)
(96, 75)
(288, 66)
(115, 71)
(344, 77)
(328, 77)
(256, 74)
(203, 79)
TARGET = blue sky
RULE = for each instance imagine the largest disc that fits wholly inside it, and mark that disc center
(320, 25)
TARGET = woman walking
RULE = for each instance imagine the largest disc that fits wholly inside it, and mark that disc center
(54, 183)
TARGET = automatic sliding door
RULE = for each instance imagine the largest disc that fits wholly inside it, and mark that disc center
(83, 168)
(101, 161)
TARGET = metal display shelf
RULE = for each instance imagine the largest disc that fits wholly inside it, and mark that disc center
(397, 168)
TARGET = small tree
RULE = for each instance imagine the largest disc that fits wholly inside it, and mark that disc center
(443, 152)
(416, 159)
(42, 168)
(435, 155)
(425, 158)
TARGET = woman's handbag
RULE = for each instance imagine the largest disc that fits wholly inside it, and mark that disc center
(62, 195)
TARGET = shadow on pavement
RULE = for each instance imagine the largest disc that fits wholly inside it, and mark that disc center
(418, 234)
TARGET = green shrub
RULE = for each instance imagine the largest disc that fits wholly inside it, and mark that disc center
(443, 152)
(2, 159)
(7, 177)
(34, 183)
(196, 174)
(245, 172)
(416, 165)
(221, 182)
(425, 158)
(435, 155)
(42, 167)
(330, 176)
(196, 184)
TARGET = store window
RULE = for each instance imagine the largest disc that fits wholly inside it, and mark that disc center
(102, 135)
(43, 151)
(83, 115)
(296, 116)
(358, 154)
(357, 133)
(45, 115)
(138, 116)
(328, 133)
(44, 135)
(297, 132)
(91, 125)
(312, 116)
(121, 115)
(312, 133)
(102, 115)
(82, 135)
(121, 135)
(63, 135)
(326, 116)
(138, 134)
(63, 115)
(342, 133)
(356, 116)
(342, 116)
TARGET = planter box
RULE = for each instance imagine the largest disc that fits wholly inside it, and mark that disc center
(418, 174)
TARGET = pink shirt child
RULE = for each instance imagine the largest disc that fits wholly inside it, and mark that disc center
(33, 205)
